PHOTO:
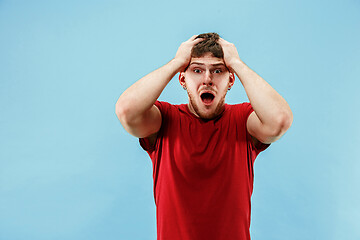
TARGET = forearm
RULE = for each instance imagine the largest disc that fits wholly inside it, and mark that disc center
(141, 96)
(270, 107)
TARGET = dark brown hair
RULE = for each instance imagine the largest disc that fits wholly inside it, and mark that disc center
(208, 45)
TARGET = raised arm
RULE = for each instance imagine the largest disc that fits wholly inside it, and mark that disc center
(272, 116)
(135, 107)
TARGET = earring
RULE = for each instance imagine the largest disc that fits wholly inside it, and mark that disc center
(184, 87)
(229, 88)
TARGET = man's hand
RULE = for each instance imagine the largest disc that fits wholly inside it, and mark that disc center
(135, 107)
(231, 55)
(183, 55)
(272, 116)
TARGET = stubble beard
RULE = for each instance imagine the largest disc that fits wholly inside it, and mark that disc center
(211, 115)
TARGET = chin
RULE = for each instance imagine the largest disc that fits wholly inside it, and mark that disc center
(207, 112)
(210, 113)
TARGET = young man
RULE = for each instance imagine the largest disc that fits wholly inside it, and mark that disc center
(203, 152)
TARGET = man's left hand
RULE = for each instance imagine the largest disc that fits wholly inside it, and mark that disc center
(231, 55)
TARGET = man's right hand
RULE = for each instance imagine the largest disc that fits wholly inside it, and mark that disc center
(135, 107)
(183, 54)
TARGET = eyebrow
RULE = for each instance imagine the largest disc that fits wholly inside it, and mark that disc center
(214, 65)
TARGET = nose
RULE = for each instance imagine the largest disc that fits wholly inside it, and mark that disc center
(207, 80)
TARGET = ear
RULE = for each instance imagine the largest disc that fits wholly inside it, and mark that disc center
(182, 78)
(231, 79)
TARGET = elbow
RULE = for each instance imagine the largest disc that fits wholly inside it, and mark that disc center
(280, 127)
(127, 114)
(285, 121)
(121, 112)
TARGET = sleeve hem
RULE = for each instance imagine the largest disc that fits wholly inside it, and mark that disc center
(145, 144)
(260, 146)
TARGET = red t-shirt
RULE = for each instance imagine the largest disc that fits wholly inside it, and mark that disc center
(203, 174)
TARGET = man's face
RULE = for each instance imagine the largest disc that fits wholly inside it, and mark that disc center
(207, 80)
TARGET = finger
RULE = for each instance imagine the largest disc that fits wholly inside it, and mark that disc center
(193, 38)
(198, 40)
(223, 41)
(195, 41)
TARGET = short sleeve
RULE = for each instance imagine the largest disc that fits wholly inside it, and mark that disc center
(259, 147)
(145, 142)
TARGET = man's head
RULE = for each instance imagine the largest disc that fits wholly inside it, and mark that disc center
(208, 45)
(207, 78)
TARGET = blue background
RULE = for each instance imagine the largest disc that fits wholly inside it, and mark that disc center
(68, 170)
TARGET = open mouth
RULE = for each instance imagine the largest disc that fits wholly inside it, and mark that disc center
(207, 97)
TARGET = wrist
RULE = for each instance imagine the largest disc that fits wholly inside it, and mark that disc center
(236, 65)
(178, 64)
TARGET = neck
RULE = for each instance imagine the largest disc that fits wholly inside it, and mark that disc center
(190, 107)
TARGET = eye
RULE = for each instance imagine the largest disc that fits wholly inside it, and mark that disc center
(197, 70)
(218, 71)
